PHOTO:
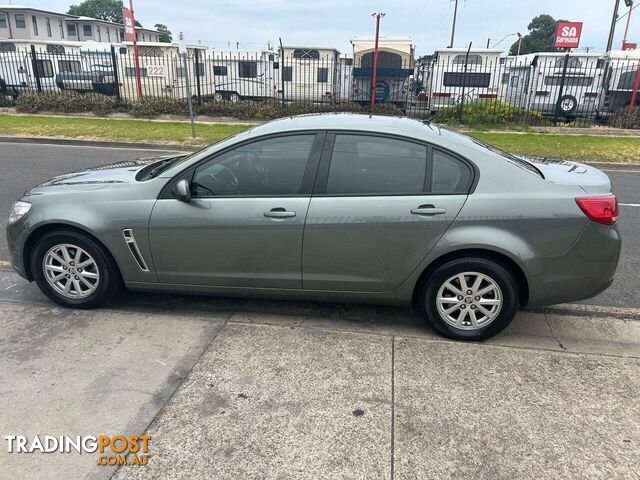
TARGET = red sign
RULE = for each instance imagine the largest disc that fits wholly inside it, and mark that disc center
(129, 25)
(568, 35)
(627, 46)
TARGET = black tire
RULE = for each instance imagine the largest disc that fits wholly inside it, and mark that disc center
(497, 272)
(570, 100)
(110, 280)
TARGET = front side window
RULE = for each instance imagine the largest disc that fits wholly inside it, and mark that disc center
(86, 29)
(247, 69)
(368, 165)
(270, 167)
(69, 66)
(20, 21)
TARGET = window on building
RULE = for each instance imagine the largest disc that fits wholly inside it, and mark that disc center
(455, 79)
(385, 60)
(7, 47)
(34, 25)
(87, 31)
(462, 59)
(70, 66)
(44, 68)
(3, 20)
(61, 28)
(323, 75)
(20, 21)
(304, 54)
(247, 69)
(220, 70)
(109, 35)
(122, 35)
(71, 30)
(574, 62)
(47, 22)
(368, 165)
(55, 49)
(150, 52)
(287, 74)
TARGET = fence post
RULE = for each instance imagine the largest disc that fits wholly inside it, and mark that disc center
(34, 66)
(282, 71)
(561, 89)
(196, 58)
(464, 81)
(116, 79)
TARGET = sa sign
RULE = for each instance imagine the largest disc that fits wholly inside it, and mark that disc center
(568, 35)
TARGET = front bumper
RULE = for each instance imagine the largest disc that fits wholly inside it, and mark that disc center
(584, 271)
(16, 239)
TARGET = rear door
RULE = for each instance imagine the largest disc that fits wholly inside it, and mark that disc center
(380, 204)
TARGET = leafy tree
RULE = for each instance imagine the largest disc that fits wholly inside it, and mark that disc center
(109, 10)
(165, 33)
(542, 33)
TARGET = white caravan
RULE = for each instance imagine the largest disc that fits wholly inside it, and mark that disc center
(475, 74)
(244, 74)
(394, 69)
(621, 69)
(308, 73)
(535, 80)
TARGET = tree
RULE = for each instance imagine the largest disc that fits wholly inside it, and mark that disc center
(165, 33)
(109, 10)
(541, 37)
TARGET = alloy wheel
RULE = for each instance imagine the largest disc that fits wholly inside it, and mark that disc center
(71, 271)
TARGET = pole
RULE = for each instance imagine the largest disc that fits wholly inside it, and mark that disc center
(561, 88)
(282, 71)
(466, 67)
(34, 66)
(374, 77)
(196, 60)
(135, 51)
(612, 31)
(519, 43)
(189, 99)
(636, 85)
(626, 28)
(488, 42)
(453, 27)
(116, 80)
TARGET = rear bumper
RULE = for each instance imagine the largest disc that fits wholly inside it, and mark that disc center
(584, 271)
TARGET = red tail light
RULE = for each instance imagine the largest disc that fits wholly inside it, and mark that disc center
(600, 209)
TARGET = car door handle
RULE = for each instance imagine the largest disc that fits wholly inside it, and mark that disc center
(428, 210)
(279, 213)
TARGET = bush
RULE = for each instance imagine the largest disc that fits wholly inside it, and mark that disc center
(484, 113)
(67, 102)
(154, 106)
(623, 118)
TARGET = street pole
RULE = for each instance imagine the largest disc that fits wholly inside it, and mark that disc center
(488, 42)
(519, 43)
(626, 28)
(135, 51)
(612, 31)
(453, 27)
(374, 77)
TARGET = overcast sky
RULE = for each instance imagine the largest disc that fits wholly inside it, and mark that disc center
(332, 23)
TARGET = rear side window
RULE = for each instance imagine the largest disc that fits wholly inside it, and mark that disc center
(449, 175)
(368, 165)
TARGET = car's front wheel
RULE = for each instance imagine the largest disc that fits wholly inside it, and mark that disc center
(469, 298)
(73, 270)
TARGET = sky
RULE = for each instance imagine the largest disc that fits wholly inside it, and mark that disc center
(332, 23)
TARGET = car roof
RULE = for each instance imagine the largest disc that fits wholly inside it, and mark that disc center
(402, 126)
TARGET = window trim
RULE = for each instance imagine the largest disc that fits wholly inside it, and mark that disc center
(308, 178)
(320, 187)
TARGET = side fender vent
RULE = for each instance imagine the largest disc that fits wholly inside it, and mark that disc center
(130, 240)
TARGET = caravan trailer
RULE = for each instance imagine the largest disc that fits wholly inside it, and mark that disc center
(96, 73)
(394, 72)
(474, 73)
(621, 69)
(21, 72)
(309, 73)
(162, 71)
(535, 80)
(244, 74)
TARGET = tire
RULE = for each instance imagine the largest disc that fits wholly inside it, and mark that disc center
(234, 97)
(103, 273)
(501, 301)
(567, 104)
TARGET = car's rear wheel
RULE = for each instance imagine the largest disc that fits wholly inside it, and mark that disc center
(469, 298)
(73, 270)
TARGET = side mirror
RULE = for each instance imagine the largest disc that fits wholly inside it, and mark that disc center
(183, 190)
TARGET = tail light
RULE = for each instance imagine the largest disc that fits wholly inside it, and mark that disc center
(600, 209)
(442, 94)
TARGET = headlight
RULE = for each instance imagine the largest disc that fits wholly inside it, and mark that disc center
(18, 211)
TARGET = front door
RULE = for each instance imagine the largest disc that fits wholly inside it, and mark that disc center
(244, 224)
(381, 205)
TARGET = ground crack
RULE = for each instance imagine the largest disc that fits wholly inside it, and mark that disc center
(557, 339)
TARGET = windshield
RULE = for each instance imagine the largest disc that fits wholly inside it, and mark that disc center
(519, 162)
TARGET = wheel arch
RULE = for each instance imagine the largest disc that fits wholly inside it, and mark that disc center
(500, 258)
(41, 230)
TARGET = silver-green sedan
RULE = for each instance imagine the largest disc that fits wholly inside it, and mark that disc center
(335, 207)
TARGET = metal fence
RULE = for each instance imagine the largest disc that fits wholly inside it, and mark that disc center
(538, 89)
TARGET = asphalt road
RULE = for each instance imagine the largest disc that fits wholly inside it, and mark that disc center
(24, 165)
